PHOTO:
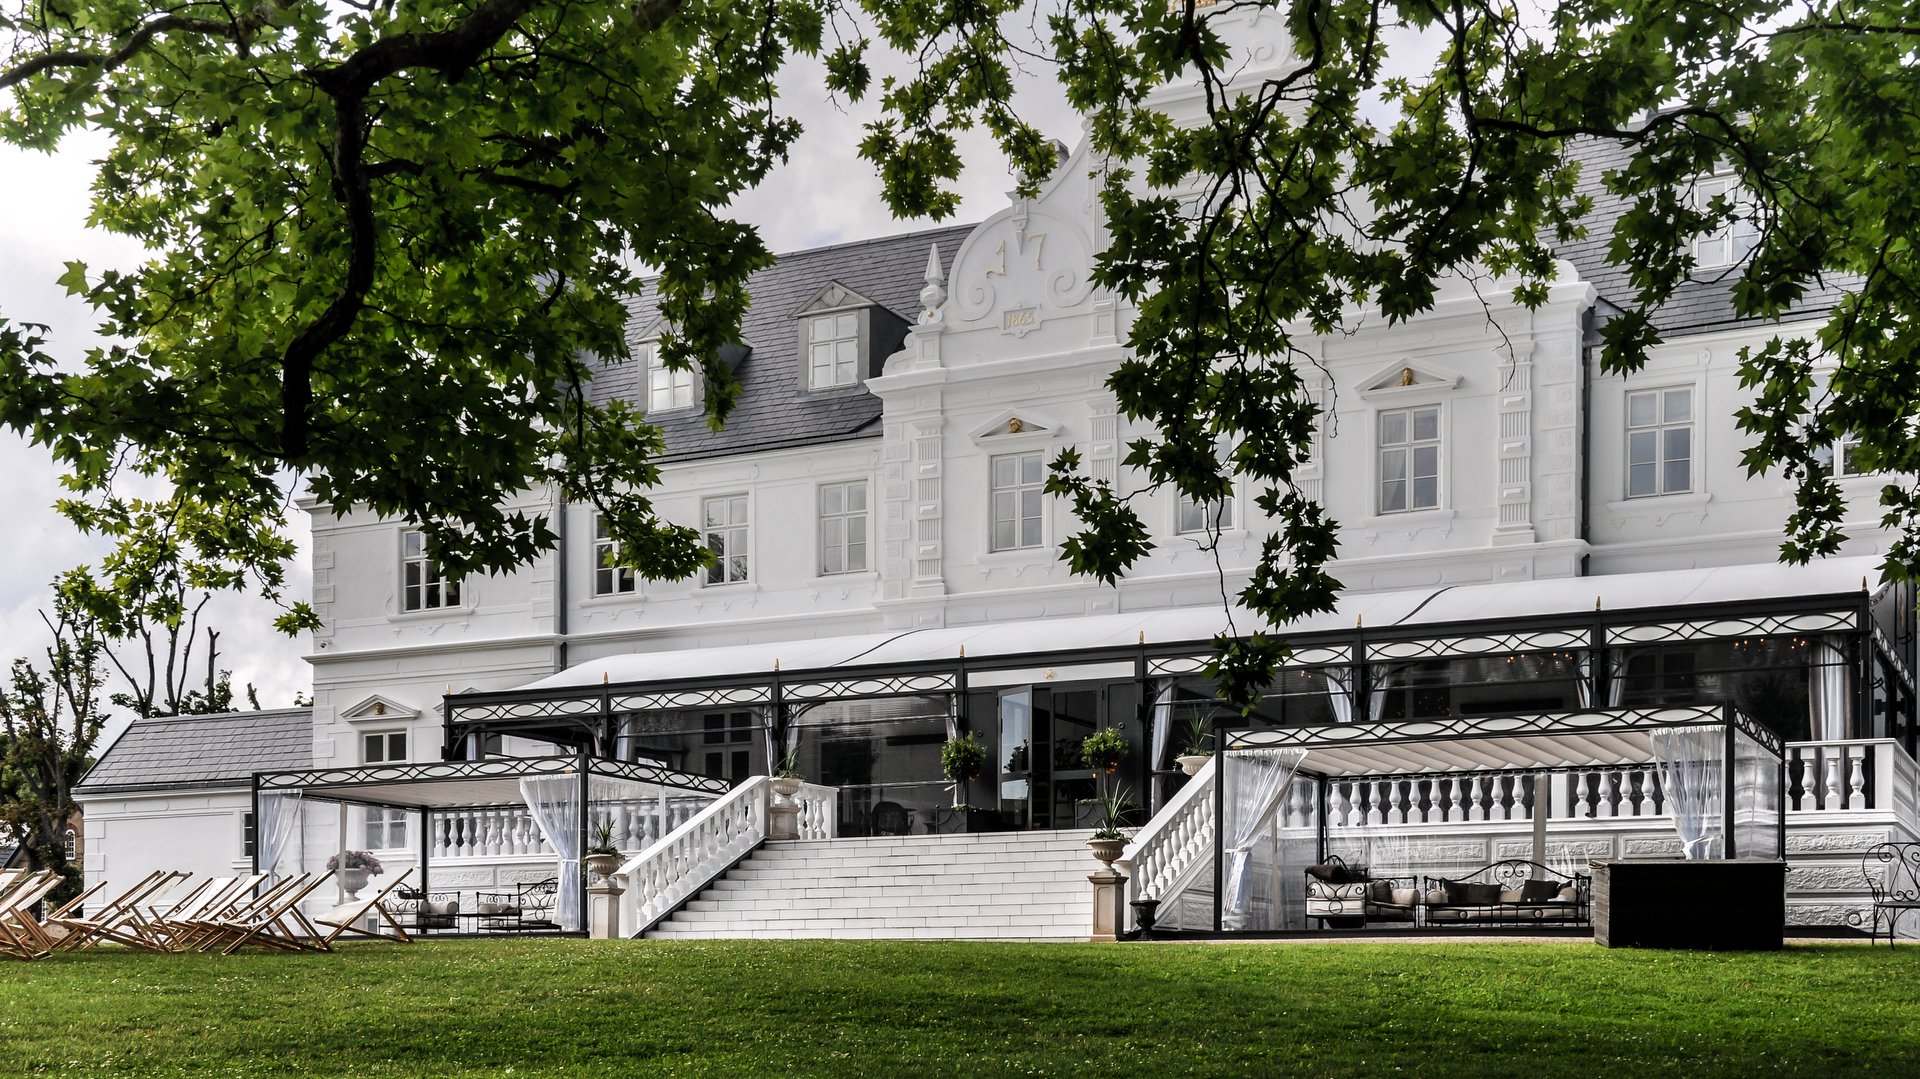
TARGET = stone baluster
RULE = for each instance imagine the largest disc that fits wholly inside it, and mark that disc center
(1604, 795)
(1857, 780)
(1375, 813)
(1835, 781)
(1582, 801)
(1404, 798)
(1477, 791)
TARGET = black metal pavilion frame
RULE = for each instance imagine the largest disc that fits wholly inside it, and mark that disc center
(1723, 716)
(586, 717)
(367, 781)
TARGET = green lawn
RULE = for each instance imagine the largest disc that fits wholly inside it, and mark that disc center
(524, 1007)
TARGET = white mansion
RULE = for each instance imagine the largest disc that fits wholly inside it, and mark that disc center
(875, 505)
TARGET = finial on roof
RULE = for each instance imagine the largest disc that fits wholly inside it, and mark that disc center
(603, 678)
(935, 293)
(1596, 603)
(963, 651)
(1143, 636)
(1359, 621)
(776, 664)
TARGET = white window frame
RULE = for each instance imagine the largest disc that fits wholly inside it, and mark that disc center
(1840, 455)
(1016, 493)
(668, 390)
(1660, 429)
(1733, 241)
(424, 586)
(833, 360)
(734, 535)
(1190, 516)
(386, 740)
(1406, 452)
(608, 579)
(836, 529)
(385, 828)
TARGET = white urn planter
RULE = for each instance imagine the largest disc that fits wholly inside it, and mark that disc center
(603, 866)
(1191, 763)
(787, 786)
(352, 880)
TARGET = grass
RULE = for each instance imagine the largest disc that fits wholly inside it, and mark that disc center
(540, 1007)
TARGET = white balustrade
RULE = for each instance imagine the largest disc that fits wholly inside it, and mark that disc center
(1174, 845)
(1850, 776)
(708, 843)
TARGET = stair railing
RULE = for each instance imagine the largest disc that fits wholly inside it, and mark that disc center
(664, 876)
(1164, 856)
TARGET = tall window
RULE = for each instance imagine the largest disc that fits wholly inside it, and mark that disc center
(1660, 442)
(726, 744)
(608, 579)
(843, 527)
(667, 389)
(833, 349)
(1017, 482)
(385, 747)
(423, 587)
(1194, 516)
(726, 528)
(386, 828)
(1733, 240)
(1410, 459)
(1846, 457)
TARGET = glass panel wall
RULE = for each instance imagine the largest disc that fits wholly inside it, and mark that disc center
(1797, 687)
(729, 743)
(1476, 686)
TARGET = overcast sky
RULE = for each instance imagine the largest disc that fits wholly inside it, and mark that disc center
(824, 195)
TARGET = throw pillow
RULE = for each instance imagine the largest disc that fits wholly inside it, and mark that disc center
(1539, 891)
(1483, 895)
(1456, 892)
(1381, 891)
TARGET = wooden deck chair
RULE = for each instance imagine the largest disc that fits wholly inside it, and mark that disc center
(54, 924)
(278, 924)
(211, 927)
(121, 919)
(345, 918)
(21, 934)
(211, 898)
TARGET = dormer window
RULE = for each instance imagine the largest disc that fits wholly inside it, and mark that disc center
(833, 350)
(840, 332)
(1734, 240)
(667, 389)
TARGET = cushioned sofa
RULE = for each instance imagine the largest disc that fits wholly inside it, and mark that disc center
(1512, 892)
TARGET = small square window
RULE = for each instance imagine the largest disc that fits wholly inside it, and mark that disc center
(383, 747)
(1196, 516)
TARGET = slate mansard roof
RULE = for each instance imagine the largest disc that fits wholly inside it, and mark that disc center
(1704, 303)
(221, 750)
(775, 411)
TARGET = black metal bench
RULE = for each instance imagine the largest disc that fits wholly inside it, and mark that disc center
(1511, 892)
(1348, 897)
(1893, 876)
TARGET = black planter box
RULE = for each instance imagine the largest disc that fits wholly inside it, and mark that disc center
(1738, 905)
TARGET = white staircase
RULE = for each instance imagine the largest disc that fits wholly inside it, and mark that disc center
(994, 886)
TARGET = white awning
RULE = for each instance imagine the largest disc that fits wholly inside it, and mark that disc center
(1198, 625)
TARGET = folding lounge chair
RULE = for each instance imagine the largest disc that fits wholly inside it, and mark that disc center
(217, 897)
(21, 934)
(211, 927)
(346, 918)
(120, 920)
(274, 924)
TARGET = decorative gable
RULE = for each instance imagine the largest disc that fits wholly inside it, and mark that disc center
(379, 709)
(1404, 376)
(834, 297)
(1016, 425)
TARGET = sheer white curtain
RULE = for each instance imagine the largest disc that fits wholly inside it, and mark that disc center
(1257, 780)
(1692, 767)
(1616, 680)
(1827, 692)
(554, 804)
(1162, 730)
(274, 830)
(1339, 692)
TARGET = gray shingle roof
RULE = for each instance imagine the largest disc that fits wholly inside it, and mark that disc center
(221, 750)
(774, 410)
(1696, 305)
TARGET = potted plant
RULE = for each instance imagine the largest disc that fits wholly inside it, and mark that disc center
(1199, 744)
(960, 761)
(787, 778)
(1108, 841)
(354, 866)
(603, 858)
(1104, 749)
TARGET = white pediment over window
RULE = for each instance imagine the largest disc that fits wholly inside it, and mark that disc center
(1405, 376)
(834, 297)
(380, 709)
(1016, 425)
